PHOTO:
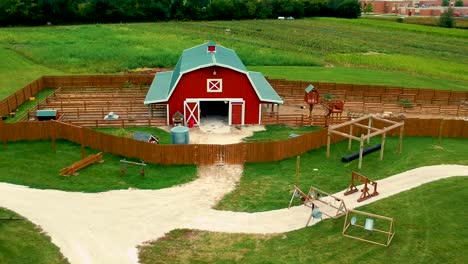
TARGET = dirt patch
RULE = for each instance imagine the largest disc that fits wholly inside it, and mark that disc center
(372, 53)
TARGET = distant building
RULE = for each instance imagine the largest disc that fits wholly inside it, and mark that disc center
(414, 8)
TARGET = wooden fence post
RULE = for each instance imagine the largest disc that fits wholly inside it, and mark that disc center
(3, 134)
(82, 143)
(400, 143)
(441, 127)
(52, 134)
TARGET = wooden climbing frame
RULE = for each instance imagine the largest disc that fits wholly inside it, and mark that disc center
(365, 191)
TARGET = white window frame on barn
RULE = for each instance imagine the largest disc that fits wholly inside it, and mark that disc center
(210, 84)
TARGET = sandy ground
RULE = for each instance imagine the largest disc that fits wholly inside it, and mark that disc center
(107, 227)
(215, 130)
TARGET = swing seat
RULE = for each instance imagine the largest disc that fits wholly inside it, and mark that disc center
(316, 214)
(369, 226)
(353, 220)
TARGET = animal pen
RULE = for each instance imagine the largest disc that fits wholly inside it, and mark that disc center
(371, 132)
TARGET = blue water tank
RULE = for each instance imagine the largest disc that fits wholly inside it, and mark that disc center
(180, 135)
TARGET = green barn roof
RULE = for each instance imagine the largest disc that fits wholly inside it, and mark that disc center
(198, 57)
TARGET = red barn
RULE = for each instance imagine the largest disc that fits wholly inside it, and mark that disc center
(211, 80)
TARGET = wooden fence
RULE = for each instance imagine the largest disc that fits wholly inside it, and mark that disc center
(205, 153)
(290, 90)
(13, 101)
(370, 93)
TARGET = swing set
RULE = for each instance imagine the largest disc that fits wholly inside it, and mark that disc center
(373, 223)
(319, 201)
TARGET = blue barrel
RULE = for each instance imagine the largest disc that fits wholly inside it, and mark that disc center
(180, 135)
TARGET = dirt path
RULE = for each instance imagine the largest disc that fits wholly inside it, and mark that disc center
(107, 227)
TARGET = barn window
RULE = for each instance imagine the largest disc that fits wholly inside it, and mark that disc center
(212, 48)
(214, 85)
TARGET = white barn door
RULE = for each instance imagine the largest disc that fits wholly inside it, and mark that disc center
(192, 112)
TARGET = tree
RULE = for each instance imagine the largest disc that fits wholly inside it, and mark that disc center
(445, 2)
(459, 3)
(369, 8)
(447, 19)
(349, 9)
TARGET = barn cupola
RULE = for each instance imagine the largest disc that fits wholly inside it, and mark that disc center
(211, 46)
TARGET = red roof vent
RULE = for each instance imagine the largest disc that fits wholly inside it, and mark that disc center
(212, 48)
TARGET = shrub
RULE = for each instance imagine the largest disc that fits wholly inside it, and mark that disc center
(369, 8)
(406, 103)
(446, 19)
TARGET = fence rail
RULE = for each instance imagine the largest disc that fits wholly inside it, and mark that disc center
(290, 90)
(206, 153)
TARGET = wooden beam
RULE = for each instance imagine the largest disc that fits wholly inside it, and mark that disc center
(383, 146)
(361, 150)
(364, 126)
(385, 120)
(350, 140)
(400, 143)
(349, 122)
(370, 215)
(328, 144)
(344, 134)
(298, 164)
(369, 129)
(383, 130)
(441, 127)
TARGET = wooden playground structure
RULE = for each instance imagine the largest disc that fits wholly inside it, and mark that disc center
(319, 201)
(123, 168)
(371, 132)
(333, 108)
(352, 222)
(365, 190)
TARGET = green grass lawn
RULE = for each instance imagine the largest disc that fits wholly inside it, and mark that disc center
(267, 186)
(279, 132)
(430, 224)
(33, 163)
(164, 136)
(362, 50)
(22, 242)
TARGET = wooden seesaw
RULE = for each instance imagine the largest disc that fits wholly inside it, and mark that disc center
(365, 191)
(123, 168)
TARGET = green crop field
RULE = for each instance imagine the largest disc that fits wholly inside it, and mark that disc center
(318, 49)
